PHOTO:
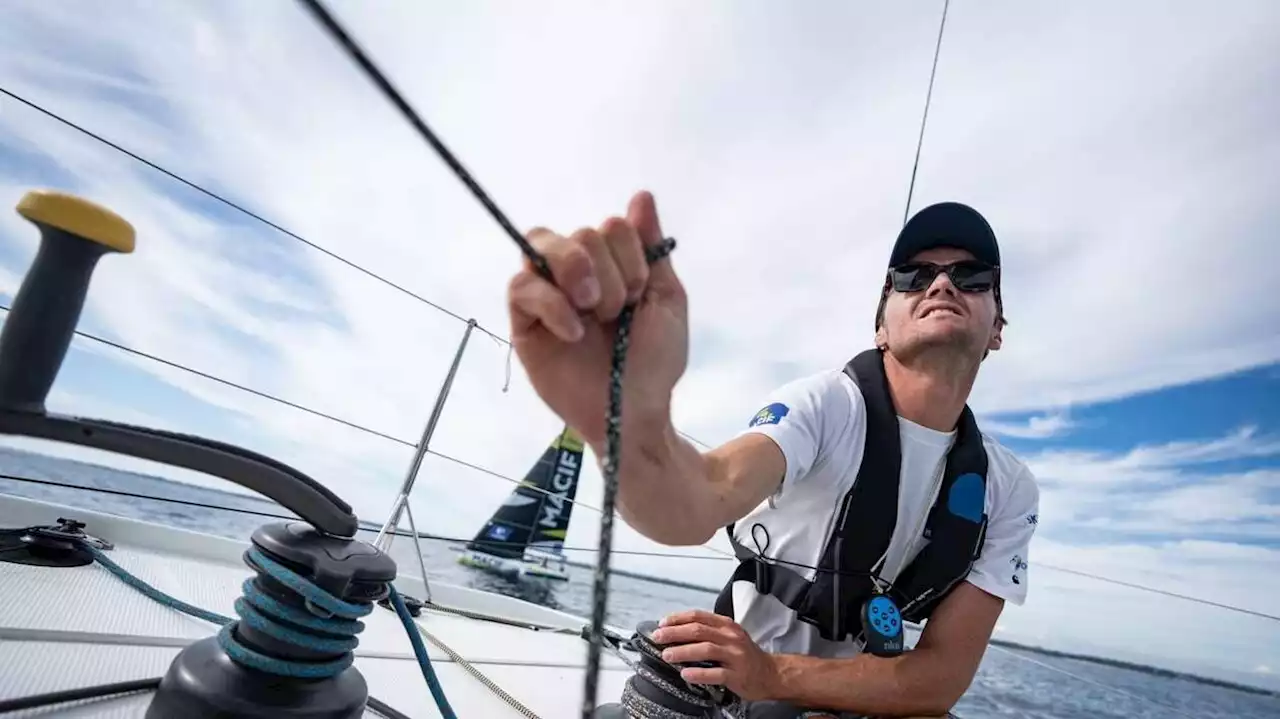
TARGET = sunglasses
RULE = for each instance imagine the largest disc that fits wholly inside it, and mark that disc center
(966, 275)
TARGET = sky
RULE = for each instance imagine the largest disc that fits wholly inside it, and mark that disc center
(1122, 153)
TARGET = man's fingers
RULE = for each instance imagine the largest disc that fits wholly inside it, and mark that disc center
(696, 632)
(628, 254)
(699, 652)
(718, 676)
(534, 301)
(612, 291)
(695, 615)
(571, 267)
(642, 213)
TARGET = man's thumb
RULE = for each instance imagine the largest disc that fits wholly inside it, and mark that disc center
(642, 213)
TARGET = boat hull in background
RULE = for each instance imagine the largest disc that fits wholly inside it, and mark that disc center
(508, 568)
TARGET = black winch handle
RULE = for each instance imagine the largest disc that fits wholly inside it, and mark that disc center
(74, 234)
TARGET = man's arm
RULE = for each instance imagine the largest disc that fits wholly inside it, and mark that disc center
(674, 494)
(927, 681)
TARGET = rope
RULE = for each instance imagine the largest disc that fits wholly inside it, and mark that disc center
(622, 337)
(159, 596)
(468, 666)
(329, 624)
(424, 661)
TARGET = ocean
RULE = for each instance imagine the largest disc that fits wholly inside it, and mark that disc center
(1012, 681)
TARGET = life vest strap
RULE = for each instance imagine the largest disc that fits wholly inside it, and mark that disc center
(865, 522)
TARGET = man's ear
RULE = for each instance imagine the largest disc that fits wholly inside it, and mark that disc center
(882, 338)
(997, 337)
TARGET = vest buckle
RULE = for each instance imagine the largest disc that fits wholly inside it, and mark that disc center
(764, 577)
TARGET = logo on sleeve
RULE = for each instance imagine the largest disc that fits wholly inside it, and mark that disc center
(772, 414)
(1019, 564)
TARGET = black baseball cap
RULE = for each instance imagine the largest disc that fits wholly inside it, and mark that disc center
(947, 224)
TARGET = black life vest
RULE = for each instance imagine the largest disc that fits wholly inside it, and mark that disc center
(865, 521)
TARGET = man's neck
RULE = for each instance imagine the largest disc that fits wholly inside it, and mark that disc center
(930, 393)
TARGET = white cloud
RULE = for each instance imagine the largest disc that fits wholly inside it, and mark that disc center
(1035, 427)
(1128, 185)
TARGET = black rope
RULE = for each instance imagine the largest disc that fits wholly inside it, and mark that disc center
(925, 117)
(254, 215)
(379, 79)
(600, 586)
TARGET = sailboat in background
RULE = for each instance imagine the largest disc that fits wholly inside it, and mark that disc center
(525, 536)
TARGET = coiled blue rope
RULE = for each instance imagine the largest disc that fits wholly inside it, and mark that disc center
(328, 624)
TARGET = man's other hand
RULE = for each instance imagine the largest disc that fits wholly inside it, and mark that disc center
(745, 668)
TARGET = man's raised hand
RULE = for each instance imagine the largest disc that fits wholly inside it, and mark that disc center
(563, 333)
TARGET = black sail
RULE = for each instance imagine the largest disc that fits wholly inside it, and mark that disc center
(536, 514)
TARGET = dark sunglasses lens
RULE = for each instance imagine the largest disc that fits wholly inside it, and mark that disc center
(973, 276)
(967, 276)
(913, 277)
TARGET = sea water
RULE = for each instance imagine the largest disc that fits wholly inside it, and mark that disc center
(1010, 682)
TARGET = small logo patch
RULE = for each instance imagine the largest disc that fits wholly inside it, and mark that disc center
(499, 532)
(1019, 564)
(772, 414)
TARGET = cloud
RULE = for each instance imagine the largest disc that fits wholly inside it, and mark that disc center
(1174, 489)
(1123, 180)
(1035, 427)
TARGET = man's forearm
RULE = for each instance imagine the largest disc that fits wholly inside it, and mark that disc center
(916, 683)
(664, 490)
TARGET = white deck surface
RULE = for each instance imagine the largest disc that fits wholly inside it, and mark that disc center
(62, 628)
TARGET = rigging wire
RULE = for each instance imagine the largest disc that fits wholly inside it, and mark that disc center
(289, 233)
(723, 556)
(244, 210)
(339, 420)
(234, 385)
(937, 50)
(535, 259)
(369, 528)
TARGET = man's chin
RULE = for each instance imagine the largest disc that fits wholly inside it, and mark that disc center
(939, 343)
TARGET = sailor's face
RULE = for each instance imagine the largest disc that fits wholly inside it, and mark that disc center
(940, 314)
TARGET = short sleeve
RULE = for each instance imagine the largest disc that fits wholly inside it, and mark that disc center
(793, 417)
(1002, 568)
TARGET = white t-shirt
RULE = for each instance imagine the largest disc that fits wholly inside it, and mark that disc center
(819, 422)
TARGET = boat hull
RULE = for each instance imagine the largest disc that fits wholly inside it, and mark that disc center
(511, 568)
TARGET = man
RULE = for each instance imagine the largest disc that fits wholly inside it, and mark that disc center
(782, 484)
